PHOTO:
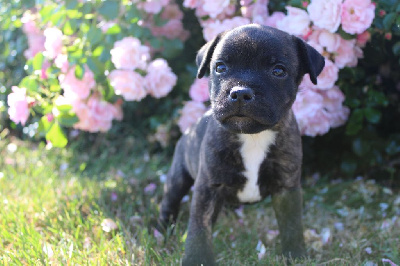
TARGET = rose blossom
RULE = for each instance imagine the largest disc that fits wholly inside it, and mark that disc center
(18, 105)
(309, 113)
(330, 41)
(346, 53)
(53, 43)
(128, 83)
(296, 22)
(160, 79)
(215, 7)
(80, 88)
(333, 103)
(191, 3)
(95, 115)
(212, 29)
(129, 54)
(172, 11)
(274, 18)
(325, 13)
(29, 24)
(61, 61)
(199, 90)
(153, 6)
(363, 38)
(357, 15)
(190, 113)
(171, 30)
(328, 76)
(36, 45)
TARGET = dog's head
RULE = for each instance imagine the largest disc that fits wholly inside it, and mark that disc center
(255, 72)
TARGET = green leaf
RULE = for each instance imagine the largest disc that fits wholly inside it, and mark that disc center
(94, 35)
(115, 29)
(354, 124)
(67, 120)
(44, 125)
(30, 83)
(348, 166)
(372, 115)
(97, 52)
(109, 9)
(360, 147)
(71, 4)
(56, 136)
(65, 108)
(95, 65)
(79, 71)
(388, 20)
(392, 148)
(37, 61)
(345, 35)
(396, 48)
(69, 27)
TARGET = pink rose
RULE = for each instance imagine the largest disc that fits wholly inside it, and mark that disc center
(80, 88)
(173, 29)
(36, 45)
(215, 7)
(190, 113)
(153, 6)
(199, 90)
(129, 54)
(29, 23)
(212, 29)
(95, 115)
(330, 41)
(53, 43)
(333, 103)
(346, 53)
(128, 84)
(18, 105)
(296, 22)
(160, 79)
(172, 11)
(309, 113)
(274, 18)
(328, 76)
(357, 15)
(363, 38)
(191, 3)
(259, 12)
(61, 61)
(326, 14)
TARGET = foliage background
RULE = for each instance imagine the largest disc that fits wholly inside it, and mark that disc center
(368, 145)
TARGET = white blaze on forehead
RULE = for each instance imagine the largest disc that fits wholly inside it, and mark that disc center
(254, 150)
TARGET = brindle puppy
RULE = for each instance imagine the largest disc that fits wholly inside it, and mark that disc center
(248, 145)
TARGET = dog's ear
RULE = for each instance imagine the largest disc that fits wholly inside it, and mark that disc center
(204, 55)
(311, 61)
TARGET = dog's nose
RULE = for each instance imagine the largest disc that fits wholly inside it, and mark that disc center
(241, 94)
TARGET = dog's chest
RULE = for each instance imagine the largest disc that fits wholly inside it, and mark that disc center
(254, 149)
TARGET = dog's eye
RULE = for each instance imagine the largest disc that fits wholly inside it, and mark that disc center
(279, 71)
(220, 67)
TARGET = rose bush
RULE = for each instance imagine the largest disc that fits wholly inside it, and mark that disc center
(84, 65)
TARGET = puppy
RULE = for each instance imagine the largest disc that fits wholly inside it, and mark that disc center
(248, 145)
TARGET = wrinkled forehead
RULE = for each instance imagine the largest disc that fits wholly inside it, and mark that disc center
(256, 43)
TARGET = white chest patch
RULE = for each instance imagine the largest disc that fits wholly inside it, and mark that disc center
(254, 150)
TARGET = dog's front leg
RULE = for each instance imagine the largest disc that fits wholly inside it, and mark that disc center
(288, 210)
(205, 206)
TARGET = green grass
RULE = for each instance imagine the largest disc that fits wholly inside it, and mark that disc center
(53, 203)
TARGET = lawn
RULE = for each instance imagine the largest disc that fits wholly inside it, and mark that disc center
(96, 203)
